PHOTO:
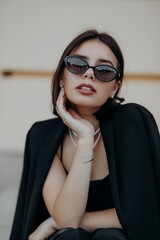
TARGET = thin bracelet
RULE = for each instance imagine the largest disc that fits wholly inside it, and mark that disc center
(89, 160)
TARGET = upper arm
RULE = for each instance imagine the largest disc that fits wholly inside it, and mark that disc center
(53, 184)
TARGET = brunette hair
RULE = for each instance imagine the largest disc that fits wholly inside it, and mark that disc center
(112, 44)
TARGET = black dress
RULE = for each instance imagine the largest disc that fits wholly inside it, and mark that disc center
(99, 198)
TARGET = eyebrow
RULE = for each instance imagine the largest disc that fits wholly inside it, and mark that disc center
(101, 60)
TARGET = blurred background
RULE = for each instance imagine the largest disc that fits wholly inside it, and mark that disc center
(33, 35)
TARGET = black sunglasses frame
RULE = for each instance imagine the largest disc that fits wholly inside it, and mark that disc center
(116, 77)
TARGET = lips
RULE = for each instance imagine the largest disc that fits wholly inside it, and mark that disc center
(86, 87)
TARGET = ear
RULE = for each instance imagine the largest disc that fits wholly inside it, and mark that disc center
(61, 83)
(115, 88)
(118, 85)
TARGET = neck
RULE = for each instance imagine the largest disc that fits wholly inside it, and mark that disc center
(88, 114)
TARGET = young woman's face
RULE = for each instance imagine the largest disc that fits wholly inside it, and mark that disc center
(85, 90)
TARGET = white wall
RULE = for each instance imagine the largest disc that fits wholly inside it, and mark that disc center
(35, 33)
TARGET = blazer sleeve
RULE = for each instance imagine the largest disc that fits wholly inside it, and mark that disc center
(42, 142)
(154, 142)
(137, 171)
(22, 201)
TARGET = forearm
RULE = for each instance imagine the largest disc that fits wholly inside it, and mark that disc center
(70, 204)
(100, 219)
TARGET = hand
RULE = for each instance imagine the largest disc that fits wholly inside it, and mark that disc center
(72, 119)
(45, 230)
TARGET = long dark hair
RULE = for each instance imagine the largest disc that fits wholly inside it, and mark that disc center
(112, 44)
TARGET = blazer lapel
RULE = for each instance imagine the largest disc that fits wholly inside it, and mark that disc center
(108, 138)
(46, 156)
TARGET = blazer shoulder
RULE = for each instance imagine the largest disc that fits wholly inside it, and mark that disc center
(132, 110)
(133, 114)
(41, 128)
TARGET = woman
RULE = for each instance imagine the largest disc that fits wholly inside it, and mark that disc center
(93, 172)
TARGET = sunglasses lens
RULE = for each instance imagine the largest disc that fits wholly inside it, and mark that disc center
(76, 65)
(105, 73)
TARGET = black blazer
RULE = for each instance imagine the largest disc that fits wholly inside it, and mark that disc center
(132, 144)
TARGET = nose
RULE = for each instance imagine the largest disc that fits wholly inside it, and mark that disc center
(89, 74)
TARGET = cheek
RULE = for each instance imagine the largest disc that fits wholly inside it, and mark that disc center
(105, 93)
(68, 92)
(69, 87)
(68, 79)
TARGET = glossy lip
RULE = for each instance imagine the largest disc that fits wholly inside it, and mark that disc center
(92, 89)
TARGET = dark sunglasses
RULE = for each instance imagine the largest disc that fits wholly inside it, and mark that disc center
(103, 73)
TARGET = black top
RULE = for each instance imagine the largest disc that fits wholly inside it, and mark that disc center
(100, 195)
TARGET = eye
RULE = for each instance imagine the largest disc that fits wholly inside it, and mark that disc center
(76, 65)
(105, 73)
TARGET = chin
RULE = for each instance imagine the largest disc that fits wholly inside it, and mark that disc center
(76, 105)
(84, 102)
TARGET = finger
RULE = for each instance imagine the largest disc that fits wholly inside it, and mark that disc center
(63, 113)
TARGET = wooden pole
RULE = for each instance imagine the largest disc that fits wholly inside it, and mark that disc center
(49, 74)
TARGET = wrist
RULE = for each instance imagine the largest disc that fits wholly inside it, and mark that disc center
(86, 141)
(53, 223)
(85, 149)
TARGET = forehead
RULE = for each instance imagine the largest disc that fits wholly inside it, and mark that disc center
(94, 49)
